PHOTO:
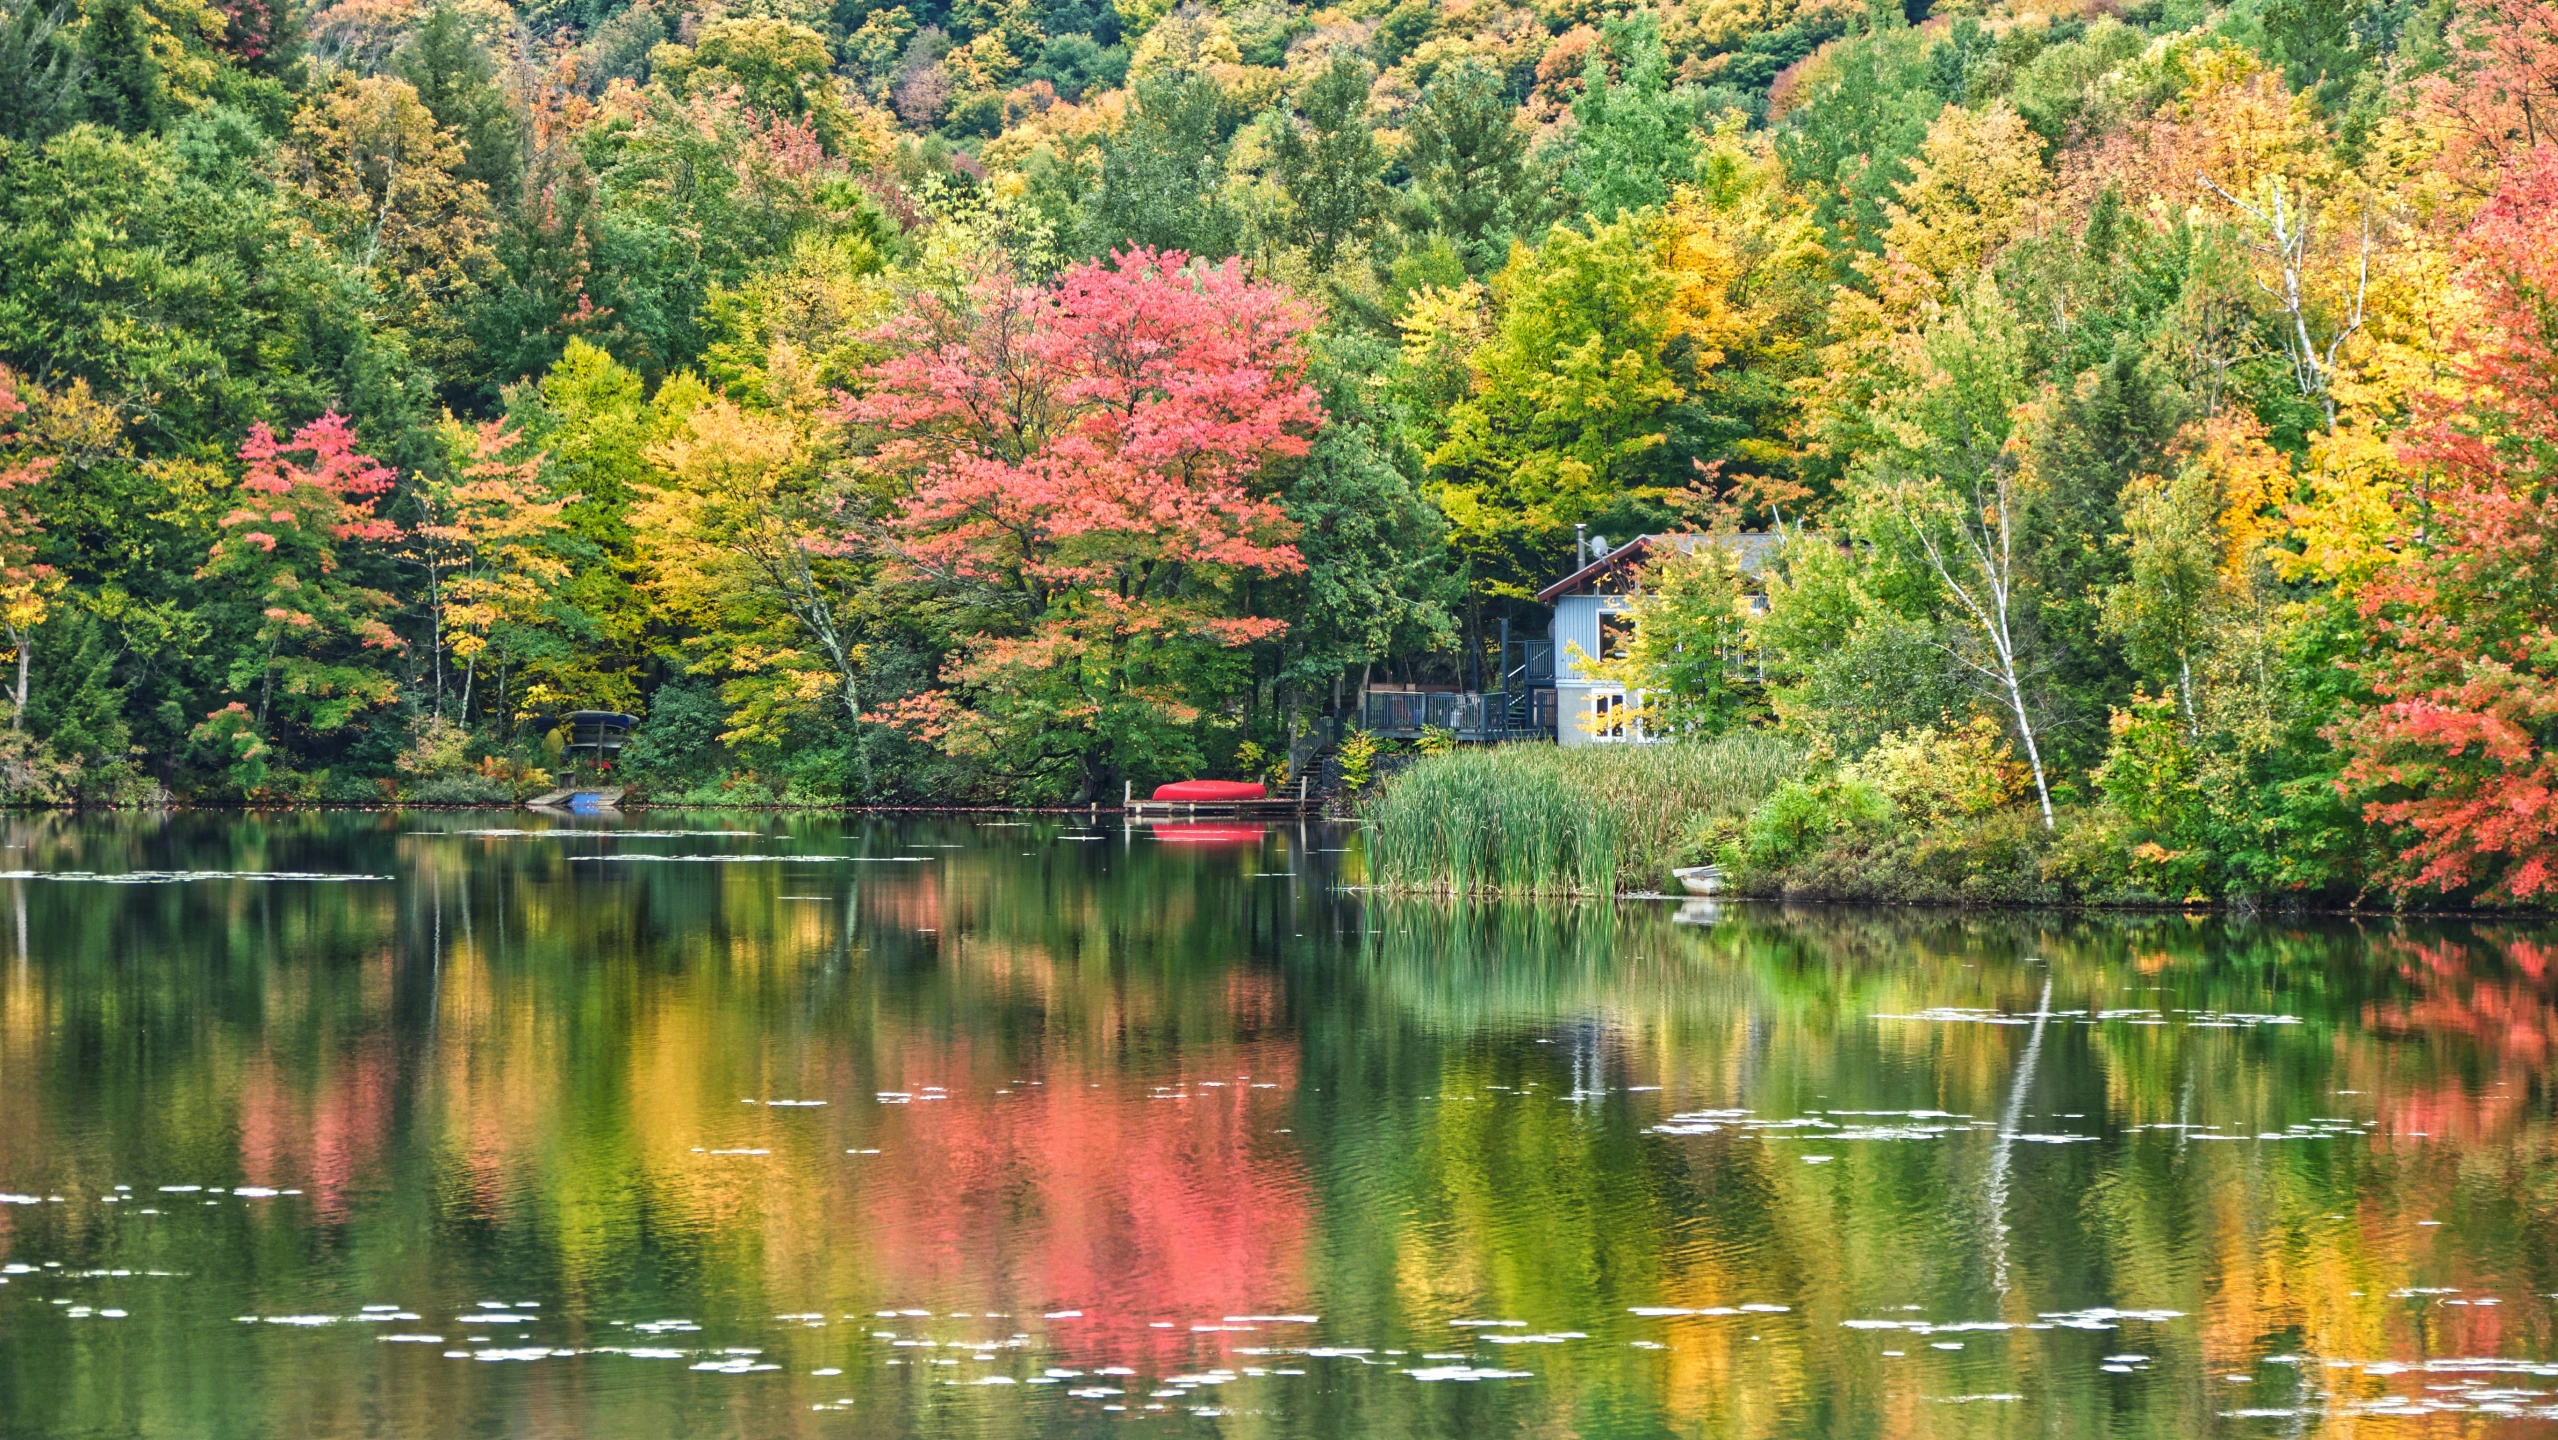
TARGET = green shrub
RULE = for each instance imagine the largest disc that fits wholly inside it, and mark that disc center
(1799, 819)
(468, 788)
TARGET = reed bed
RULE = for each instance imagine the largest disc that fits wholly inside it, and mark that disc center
(1544, 820)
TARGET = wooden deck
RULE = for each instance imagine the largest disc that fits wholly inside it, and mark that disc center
(1277, 807)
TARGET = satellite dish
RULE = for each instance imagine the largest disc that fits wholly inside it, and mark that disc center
(1598, 547)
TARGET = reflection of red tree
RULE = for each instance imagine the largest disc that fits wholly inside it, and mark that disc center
(325, 1143)
(1133, 1204)
(2494, 1011)
(908, 902)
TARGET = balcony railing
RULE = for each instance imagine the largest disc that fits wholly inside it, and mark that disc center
(1468, 714)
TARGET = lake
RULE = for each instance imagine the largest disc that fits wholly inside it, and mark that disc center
(450, 1124)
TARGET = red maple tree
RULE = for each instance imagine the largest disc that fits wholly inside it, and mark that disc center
(282, 555)
(1087, 461)
(2460, 755)
(2497, 99)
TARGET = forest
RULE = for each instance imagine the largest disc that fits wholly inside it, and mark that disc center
(997, 401)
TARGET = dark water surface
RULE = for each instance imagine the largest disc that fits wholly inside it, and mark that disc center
(949, 1127)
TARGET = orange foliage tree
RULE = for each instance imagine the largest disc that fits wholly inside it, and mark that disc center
(489, 540)
(27, 585)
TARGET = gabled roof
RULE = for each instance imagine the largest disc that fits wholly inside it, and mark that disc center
(1751, 550)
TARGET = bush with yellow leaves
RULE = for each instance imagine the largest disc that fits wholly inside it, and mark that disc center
(1933, 776)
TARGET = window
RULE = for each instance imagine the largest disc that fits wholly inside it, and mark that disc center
(1616, 718)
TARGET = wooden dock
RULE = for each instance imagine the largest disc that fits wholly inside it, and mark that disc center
(607, 797)
(1280, 807)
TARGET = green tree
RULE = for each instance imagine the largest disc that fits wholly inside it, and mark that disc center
(41, 70)
(774, 66)
(1162, 175)
(1377, 582)
(1864, 109)
(1330, 164)
(2161, 611)
(170, 266)
(591, 416)
(1692, 655)
(1634, 136)
(124, 88)
(1948, 488)
(1468, 157)
(1572, 402)
(447, 61)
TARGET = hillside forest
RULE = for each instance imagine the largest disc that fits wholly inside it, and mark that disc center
(1002, 400)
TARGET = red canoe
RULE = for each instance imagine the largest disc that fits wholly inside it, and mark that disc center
(1211, 791)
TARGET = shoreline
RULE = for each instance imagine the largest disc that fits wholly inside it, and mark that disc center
(2216, 909)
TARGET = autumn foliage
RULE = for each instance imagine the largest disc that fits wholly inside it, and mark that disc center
(2458, 754)
(303, 505)
(27, 583)
(1089, 465)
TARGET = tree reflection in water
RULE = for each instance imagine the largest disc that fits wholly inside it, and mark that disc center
(1723, 1178)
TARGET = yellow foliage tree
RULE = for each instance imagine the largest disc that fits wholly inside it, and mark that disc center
(1975, 184)
(34, 430)
(744, 543)
(489, 535)
(384, 184)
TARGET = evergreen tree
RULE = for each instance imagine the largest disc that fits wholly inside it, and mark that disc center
(1468, 159)
(41, 72)
(1160, 177)
(123, 88)
(1635, 136)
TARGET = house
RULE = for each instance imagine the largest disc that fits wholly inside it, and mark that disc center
(1539, 690)
(1593, 620)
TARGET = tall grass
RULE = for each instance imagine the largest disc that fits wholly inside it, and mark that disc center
(1543, 820)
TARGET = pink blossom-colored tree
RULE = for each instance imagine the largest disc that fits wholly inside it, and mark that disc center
(2460, 757)
(312, 637)
(1088, 469)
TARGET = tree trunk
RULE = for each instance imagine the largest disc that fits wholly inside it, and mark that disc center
(2033, 752)
(26, 642)
(1991, 557)
(435, 607)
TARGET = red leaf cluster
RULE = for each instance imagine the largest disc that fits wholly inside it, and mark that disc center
(1137, 400)
(338, 489)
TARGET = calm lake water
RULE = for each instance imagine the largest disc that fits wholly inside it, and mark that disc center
(430, 1125)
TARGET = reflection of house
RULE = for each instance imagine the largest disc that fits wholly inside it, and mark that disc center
(1540, 691)
(1593, 621)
